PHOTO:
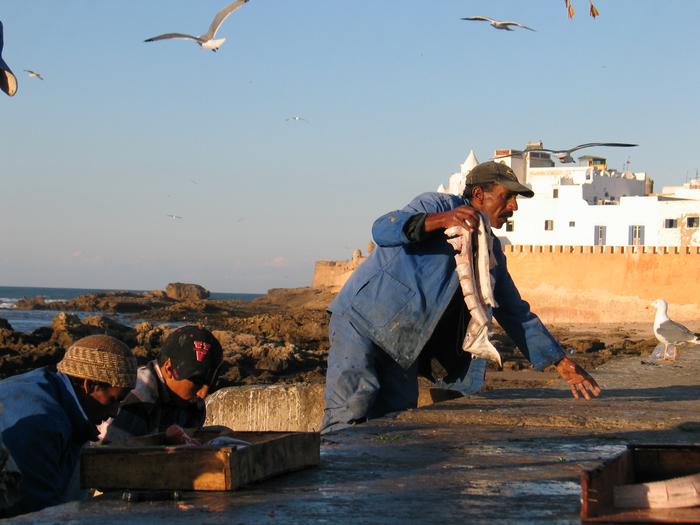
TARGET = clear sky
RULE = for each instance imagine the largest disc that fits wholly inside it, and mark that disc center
(122, 133)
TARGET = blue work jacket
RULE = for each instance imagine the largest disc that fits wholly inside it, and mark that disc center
(398, 295)
(44, 428)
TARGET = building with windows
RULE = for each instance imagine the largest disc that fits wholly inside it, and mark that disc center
(590, 204)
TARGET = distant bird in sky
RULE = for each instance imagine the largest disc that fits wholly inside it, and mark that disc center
(297, 118)
(34, 74)
(498, 24)
(564, 155)
(173, 217)
(8, 81)
(670, 332)
(206, 40)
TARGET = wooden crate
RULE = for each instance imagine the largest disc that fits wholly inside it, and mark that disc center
(147, 464)
(638, 464)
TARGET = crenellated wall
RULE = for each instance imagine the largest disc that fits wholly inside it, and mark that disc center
(606, 283)
(570, 284)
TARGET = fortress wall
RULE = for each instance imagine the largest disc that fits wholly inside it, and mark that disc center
(606, 283)
(584, 284)
(333, 274)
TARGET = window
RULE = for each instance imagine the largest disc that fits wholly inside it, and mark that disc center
(692, 222)
(572, 224)
(549, 225)
(636, 237)
(670, 223)
(555, 193)
(599, 236)
(510, 225)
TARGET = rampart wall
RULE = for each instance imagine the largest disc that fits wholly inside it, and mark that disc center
(584, 284)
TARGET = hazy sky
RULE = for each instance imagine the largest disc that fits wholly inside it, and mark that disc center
(122, 133)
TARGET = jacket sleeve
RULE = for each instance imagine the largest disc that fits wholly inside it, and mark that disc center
(390, 228)
(524, 327)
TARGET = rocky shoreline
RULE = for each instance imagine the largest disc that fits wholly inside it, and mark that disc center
(280, 337)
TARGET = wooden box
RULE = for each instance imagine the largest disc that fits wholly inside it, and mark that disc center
(638, 464)
(147, 464)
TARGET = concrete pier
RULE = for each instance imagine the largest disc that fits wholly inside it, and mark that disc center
(508, 456)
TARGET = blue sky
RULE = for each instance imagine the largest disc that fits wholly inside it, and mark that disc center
(122, 133)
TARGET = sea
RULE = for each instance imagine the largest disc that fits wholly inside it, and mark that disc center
(29, 320)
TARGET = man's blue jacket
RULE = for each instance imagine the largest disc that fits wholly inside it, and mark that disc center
(398, 295)
(44, 428)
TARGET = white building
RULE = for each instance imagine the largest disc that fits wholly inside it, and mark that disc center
(589, 204)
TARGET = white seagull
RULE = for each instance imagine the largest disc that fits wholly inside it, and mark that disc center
(564, 155)
(8, 80)
(670, 332)
(207, 40)
(498, 24)
(173, 217)
(296, 118)
(33, 74)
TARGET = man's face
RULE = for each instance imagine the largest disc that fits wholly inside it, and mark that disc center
(498, 204)
(102, 402)
(187, 390)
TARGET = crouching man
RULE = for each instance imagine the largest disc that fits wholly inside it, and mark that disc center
(170, 390)
(48, 415)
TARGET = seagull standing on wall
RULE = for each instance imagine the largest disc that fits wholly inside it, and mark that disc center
(670, 332)
(498, 24)
(206, 40)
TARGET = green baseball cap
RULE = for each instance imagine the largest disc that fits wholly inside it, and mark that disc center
(499, 173)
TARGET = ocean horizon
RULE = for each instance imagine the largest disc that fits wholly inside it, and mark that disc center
(29, 320)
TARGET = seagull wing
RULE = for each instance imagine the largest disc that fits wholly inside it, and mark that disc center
(166, 36)
(480, 18)
(593, 144)
(674, 332)
(555, 151)
(220, 17)
(520, 25)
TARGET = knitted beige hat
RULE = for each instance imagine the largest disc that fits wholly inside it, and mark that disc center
(100, 358)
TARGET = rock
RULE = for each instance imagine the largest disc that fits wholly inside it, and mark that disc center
(155, 294)
(31, 303)
(111, 327)
(186, 292)
(260, 408)
(5, 324)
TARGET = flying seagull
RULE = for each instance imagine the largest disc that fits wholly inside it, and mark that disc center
(34, 74)
(593, 11)
(564, 155)
(173, 217)
(296, 118)
(498, 24)
(207, 40)
(8, 81)
(670, 332)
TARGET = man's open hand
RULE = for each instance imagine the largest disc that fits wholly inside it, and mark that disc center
(580, 382)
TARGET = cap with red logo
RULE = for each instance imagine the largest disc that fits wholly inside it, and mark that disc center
(194, 353)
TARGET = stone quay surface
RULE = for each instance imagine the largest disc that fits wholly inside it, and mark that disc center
(508, 456)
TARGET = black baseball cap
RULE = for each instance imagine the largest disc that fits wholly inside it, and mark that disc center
(499, 173)
(194, 353)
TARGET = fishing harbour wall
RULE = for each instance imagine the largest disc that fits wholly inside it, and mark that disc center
(584, 284)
